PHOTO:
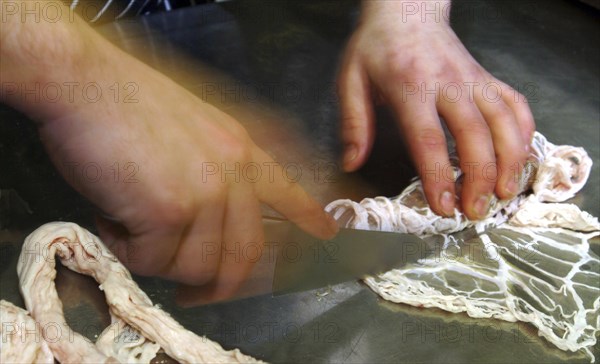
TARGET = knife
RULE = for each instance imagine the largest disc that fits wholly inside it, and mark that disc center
(305, 262)
(294, 261)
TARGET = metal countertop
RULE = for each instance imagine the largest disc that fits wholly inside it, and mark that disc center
(548, 50)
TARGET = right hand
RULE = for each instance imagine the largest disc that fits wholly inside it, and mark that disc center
(182, 208)
(173, 210)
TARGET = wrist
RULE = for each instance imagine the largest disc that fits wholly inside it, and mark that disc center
(408, 12)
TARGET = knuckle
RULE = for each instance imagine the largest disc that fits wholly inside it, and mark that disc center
(213, 196)
(149, 265)
(528, 121)
(175, 210)
(430, 138)
(239, 131)
(501, 114)
(521, 97)
(468, 75)
(400, 66)
(237, 151)
(512, 158)
(485, 175)
(200, 274)
(475, 129)
(352, 124)
(525, 119)
(234, 142)
(287, 189)
(282, 196)
(520, 155)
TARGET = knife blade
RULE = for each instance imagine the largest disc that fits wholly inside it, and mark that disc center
(305, 262)
(294, 261)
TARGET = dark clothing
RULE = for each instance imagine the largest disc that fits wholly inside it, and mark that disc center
(100, 11)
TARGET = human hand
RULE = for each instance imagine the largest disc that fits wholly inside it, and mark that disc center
(421, 69)
(191, 214)
(179, 182)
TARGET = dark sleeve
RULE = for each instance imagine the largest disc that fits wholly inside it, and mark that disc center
(101, 11)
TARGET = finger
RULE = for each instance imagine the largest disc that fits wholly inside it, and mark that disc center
(520, 107)
(148, 254)
(508, 142)
(476, 153)
(197, 259)
(357, 119)
(242, 242)
(286, 196)
(425, 137)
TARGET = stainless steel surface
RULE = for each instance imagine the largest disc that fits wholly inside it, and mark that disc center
(546, 49)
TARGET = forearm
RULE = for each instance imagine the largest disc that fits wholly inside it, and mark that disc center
(44, 59)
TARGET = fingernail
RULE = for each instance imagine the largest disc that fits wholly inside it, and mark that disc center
(350, 154)
(512, 187)
(482, 206)
(447, 203)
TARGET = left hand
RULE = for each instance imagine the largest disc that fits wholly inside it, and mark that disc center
(421, 69)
